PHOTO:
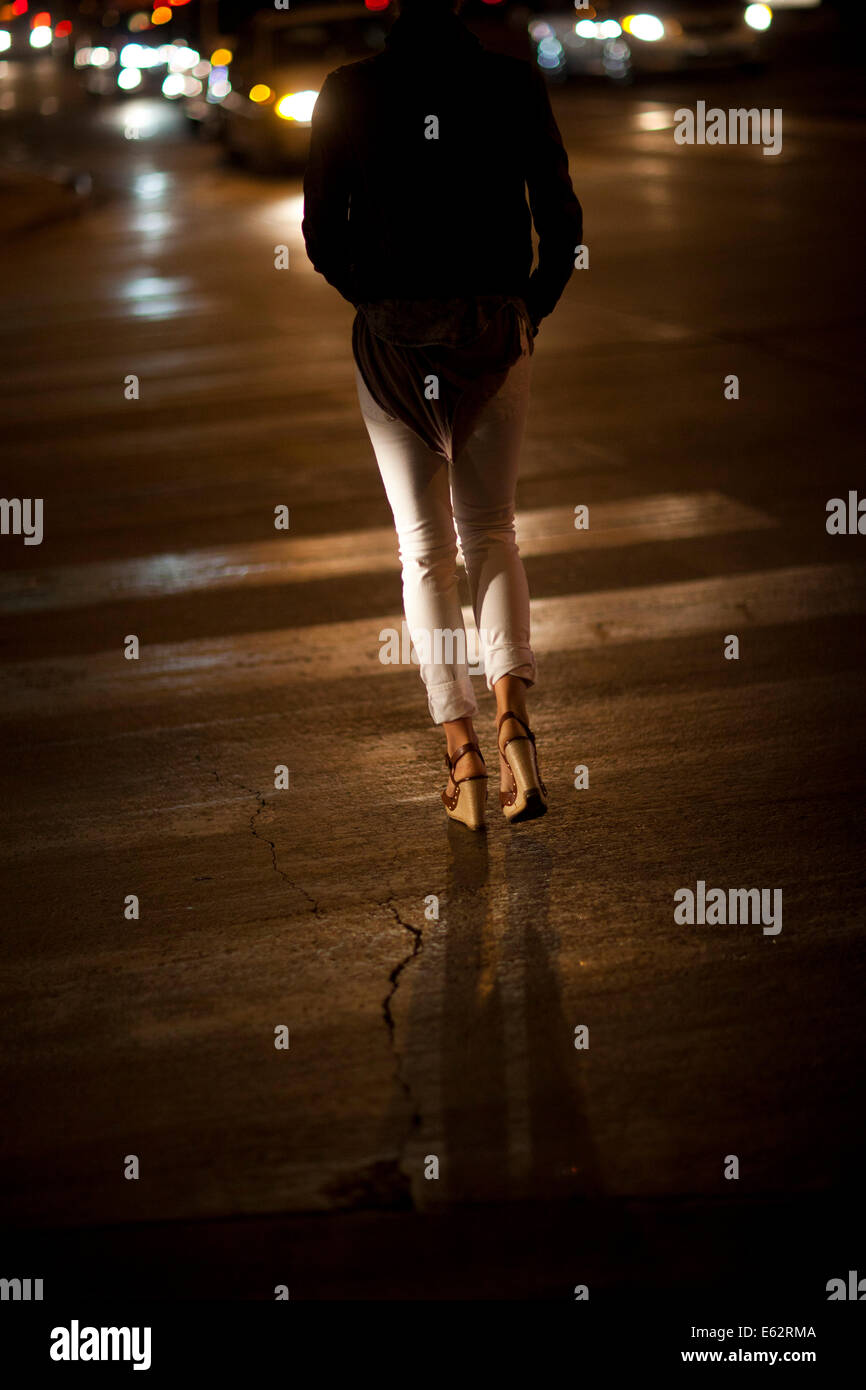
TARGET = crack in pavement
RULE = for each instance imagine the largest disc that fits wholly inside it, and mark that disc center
(314, 906)
(394, 979)
(299, 888)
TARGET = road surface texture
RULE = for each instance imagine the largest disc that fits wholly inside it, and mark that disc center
(431, 982)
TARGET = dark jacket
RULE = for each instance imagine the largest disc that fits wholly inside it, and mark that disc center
(391, 214)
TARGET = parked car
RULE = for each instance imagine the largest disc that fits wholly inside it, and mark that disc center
(280, 62)
(609, 39)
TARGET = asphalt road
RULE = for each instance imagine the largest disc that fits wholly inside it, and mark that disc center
(414, 1035)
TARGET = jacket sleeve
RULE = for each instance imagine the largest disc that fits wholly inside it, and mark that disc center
(327, 193)
(556, 212)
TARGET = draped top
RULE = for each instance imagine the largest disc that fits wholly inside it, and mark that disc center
(434, 364)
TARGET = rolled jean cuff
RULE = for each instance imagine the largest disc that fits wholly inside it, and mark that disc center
(509, 661)
(452, 700)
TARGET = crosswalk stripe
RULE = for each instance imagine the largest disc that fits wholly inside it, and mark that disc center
(349, 650)
(543, 531)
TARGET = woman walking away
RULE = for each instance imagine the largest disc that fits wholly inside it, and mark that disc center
(415, 209)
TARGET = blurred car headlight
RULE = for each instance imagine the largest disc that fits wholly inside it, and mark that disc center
(604, 29)
(137, 55)
(297, 106)
(5, 40)
(644, 26)
(181, 58)
(218, 84)
(173, 85)
(758, 16)
(41, 36)
(550, 55)
(129, 78)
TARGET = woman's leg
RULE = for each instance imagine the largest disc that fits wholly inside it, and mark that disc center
(510, 692)
(483, 483)
(416, 484)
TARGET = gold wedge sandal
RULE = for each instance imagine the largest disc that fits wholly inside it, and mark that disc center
(527, 797)
(468, 804)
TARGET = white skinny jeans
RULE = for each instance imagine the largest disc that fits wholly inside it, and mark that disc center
(428, 498)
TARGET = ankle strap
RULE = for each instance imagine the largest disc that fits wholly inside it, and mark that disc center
(451, 762)
(509, 714)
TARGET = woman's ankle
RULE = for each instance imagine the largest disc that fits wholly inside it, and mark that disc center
(457, 732)
(510, 692)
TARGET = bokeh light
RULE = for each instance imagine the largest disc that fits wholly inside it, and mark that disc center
(297, 106)
(758, 16)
